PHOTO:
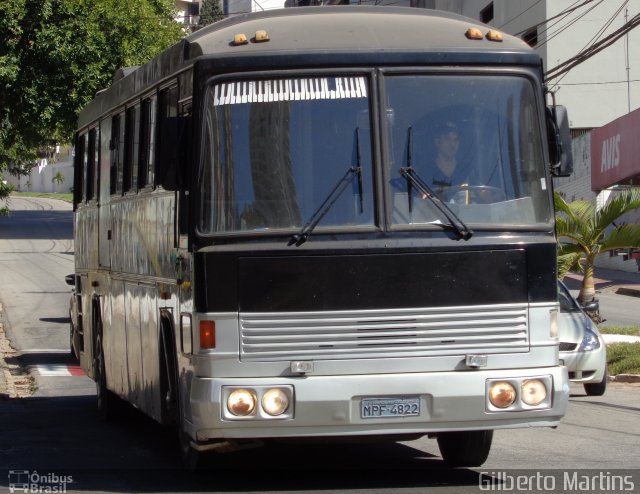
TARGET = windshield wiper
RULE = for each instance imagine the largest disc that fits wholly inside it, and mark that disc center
(301, 237)
(414, 180)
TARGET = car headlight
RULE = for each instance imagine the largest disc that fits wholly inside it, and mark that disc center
(589, 342)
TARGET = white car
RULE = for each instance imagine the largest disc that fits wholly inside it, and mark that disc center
(582, 349)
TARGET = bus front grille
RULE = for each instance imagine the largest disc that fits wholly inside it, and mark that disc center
(274, 336)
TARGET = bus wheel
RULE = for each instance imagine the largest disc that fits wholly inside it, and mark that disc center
(170, 389)
(108, 403)
(465, 448)
(191, 457)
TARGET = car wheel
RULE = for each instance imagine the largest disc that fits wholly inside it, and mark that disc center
(465, 448)
(597, 389)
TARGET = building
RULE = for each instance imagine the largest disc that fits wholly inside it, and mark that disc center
(188, 11)
(602, 93)
(609, 81)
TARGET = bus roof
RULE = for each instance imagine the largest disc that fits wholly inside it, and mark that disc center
(348, 28)
(325, 37)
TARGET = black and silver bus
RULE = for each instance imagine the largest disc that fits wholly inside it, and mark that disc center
(266, 246)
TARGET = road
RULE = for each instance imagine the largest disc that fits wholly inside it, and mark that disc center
(57, 433)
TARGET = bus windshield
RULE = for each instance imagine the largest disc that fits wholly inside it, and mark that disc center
(475, 141)
(275, 150)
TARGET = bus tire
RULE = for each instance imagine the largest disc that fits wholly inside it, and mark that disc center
(109, 404)
(168, 376)
(191, 457)
(465, 448)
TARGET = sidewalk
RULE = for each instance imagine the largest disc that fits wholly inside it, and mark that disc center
(609, 280)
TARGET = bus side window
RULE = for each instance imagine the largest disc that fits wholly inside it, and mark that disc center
(78, 172)
(132, 135)
(113, 145)
(120, 150)
(147, 141)
(168, 142)
(117, 152)
(91, 184)
(85, 167)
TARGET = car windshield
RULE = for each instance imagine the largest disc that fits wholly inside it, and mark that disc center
(275, 150)
(475, 141)
(567, 302)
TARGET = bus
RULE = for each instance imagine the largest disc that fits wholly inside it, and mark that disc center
(262, 249)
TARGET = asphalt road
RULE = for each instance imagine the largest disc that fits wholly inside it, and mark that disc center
(56, 438)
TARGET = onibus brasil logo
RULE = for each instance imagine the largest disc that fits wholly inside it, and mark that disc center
(33, 482)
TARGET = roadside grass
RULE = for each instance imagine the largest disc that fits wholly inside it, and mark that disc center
(623, 358)
(625, 330)
(68, 197)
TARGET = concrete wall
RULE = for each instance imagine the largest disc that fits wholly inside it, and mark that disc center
(41, 177)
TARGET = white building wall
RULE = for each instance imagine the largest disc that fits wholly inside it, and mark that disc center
(578, 185)
(40, 179)
(594, 92)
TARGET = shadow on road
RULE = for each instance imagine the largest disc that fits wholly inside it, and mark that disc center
(28, 225)
(63, 436)
(57, 320)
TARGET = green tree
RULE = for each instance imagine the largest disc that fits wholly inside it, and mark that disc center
(55, 55)
(584, 232)
(210, 11)
(5, 190)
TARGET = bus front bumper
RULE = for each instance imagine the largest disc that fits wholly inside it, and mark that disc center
(361, 405)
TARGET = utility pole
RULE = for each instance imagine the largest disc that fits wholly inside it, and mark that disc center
(626, 19)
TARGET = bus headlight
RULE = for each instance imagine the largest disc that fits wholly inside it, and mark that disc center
(534, 392)
(502, 394)
(241, 402)
(275, 402)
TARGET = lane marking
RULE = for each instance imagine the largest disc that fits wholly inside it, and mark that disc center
(60, 370)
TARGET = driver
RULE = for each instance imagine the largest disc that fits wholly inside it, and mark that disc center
(447, 143)
(450, 179)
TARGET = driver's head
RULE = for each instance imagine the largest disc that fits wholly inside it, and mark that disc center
(447, 139)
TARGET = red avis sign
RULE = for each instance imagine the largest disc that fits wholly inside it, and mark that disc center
(615, 152)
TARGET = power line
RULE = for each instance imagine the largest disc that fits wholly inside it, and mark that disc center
(569, 24)
(592, 50)
(595, 83)
(520, 14)
(565, 12)
(600, 32)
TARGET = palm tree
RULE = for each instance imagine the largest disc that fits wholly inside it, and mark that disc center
(587, 234)
(58, 179)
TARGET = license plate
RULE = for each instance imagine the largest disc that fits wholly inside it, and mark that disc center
(371, 408)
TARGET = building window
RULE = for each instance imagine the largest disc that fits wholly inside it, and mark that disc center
(531, 37)
(486, 14)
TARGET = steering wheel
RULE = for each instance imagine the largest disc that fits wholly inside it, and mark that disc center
(473, 194)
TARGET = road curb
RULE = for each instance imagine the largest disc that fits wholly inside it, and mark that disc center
(5, 392)
(631, 292)
(626, 378)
